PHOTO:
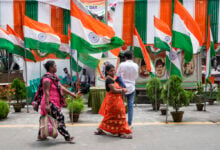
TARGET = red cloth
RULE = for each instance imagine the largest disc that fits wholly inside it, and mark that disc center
(114, 113)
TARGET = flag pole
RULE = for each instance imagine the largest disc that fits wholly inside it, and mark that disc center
(25, 53)
(168, 93)
(155, 89)
(8, 66)
(106, 12)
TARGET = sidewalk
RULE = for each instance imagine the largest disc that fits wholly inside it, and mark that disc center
(199, 131)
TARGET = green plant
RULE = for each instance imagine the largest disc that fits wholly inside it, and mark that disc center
(189, 95)
(218, 95)
(4, 109)
(75, 105)
(199, 94)
(20, 89)
(177, 95)
(154, 89)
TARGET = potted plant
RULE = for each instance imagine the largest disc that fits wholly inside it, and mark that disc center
(20, 93)
(199, 96)
(177, 97)
(212, 95)
(154, 89)
(4, 109)
(190, 95)
(218, 94)
(75, 107)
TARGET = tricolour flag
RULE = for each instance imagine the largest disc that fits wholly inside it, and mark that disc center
(138, 43)
(40, 36)
(79, 60)
(210, 52)
(186, 33)
(89, 35)
(162, 40)
(5, 40)
(19, 45)
(162, 35)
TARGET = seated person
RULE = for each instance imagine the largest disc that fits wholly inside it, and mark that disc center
(84, 81)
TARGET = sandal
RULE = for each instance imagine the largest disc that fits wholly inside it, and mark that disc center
(126, 136)
(70, 140)
(99, 132)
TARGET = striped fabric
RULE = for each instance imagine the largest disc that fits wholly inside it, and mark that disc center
(145, 10)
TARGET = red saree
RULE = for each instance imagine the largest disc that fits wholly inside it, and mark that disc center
(113, 111)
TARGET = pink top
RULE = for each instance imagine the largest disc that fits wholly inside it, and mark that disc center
(54, 97)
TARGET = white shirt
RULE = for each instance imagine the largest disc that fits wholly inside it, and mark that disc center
(128, 70)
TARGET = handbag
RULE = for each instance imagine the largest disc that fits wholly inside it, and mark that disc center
(48, 127)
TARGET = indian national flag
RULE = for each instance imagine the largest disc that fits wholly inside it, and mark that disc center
(138, 43)
(210, 52)
(162, 35)
(5, 40)
(19, 45)
(40, 36)
(162, 40)
(79, 60)
(186, 33)
(89, 35)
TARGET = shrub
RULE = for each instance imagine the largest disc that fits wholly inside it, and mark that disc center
(4, 109)
(75, 105)
(20, 89)
(189, 95)
(177, 96)
(152, 92)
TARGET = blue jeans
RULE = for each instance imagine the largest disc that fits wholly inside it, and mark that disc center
(130, 99)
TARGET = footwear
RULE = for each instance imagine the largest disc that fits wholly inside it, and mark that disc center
(70, 140)
(126, 136)
(99, 132)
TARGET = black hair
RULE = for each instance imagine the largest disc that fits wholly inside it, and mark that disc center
(128, 55)
(49, 64)
(159, 62)
(108, 67)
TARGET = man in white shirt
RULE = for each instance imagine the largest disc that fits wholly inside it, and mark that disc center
(128, 70)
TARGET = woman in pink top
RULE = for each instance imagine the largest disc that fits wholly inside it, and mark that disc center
(50, 95)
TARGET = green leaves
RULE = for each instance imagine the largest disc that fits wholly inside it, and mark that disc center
(20, 89)
(154, 89)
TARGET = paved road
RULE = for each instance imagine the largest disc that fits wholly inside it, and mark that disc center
(199, 131)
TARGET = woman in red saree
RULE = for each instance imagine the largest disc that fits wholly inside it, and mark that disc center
(113, 109)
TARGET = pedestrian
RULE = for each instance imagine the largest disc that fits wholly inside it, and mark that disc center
(113, 109)
(50, 96)
(128, 70)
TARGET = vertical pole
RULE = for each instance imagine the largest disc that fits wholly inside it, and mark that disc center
(106, 12)
(168, 93)
(26, 80)
(155, 89)
(8, 67)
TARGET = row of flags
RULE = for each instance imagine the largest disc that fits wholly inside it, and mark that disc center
(185, 35)
(90, 38)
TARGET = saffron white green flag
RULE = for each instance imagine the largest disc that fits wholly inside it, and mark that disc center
(162, 40)
(210, 52)
(186, 33)
(89, 35)
(40, 36)
(19, 45)
(138, 44)
(5, 41)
